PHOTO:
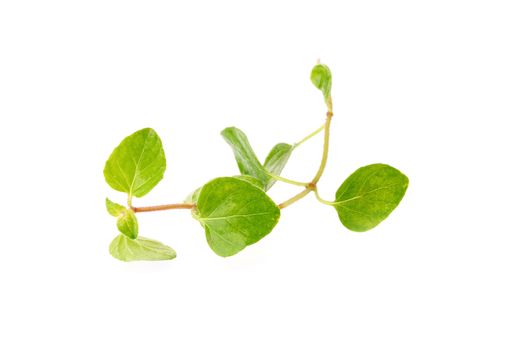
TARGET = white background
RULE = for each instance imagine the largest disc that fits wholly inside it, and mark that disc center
(434, 88)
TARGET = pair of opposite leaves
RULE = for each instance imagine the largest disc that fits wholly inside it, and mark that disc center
(235, 211)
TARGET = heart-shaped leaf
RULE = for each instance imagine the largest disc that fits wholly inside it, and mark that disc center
(369, 195)
(234, 214)
(137, 164)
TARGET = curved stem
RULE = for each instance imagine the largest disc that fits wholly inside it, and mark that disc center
(312, 185)
(317, 131)
(288, 181)
(295, 198)
(164, 207)
(324, 201)
(329, 115)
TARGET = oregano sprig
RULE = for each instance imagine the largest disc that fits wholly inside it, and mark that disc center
(236, 211)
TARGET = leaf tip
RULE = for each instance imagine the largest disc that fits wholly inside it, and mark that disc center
(321, 77)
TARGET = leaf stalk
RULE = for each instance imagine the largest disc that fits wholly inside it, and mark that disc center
(309, 136)
(324, 201)
(288, 181)
(312, 186)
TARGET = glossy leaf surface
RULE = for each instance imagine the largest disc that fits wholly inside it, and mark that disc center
(369, 195)
(276, 160)
(247, 161)
(137, 164)
(235, 214)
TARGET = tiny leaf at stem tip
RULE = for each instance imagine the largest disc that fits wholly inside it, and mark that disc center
(321, 77)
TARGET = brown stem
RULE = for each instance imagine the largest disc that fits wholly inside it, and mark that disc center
(164, 207)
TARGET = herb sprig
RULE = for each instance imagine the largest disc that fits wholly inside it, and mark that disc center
(236, 212)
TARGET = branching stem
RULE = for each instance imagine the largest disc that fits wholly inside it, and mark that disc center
(312, 186)
(309, 186)
(317, 131)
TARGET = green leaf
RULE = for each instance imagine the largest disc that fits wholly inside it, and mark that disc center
(369, 195)
(251, 180)
(194, 196)
(234, 214)
(137, 164)
(142, 248)
(244, 155)
(276, 160)
(248, 162)
(114, 209)
(321, 77)
(127, 224)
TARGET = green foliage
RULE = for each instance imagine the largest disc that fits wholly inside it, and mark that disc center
(114, 209)
(127, 224)
(250, 180)
(248, 162)
(235, 214)
(142, 248)
(369, 195)
(194, 196)
(321, 77)
(276, 160)
(137, 164)
(244, 155)
(126, 220)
